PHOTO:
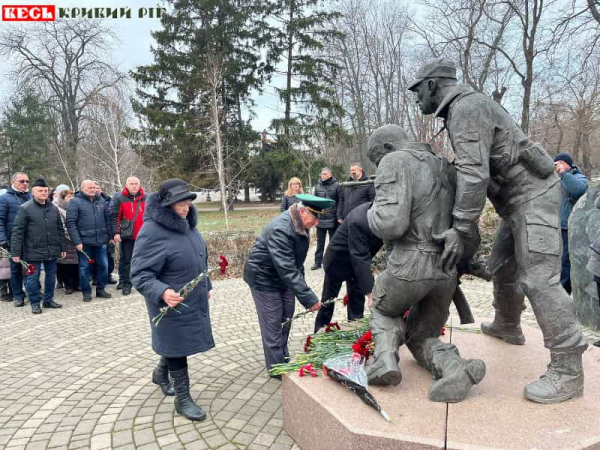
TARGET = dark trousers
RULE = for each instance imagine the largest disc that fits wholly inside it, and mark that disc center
(321, 236)
(565, 272)
(16, 280)
(331, 289)
(273, 308)
(98, 253)
(69, 275)
(110, 256)
(32, 282)
(125, 262)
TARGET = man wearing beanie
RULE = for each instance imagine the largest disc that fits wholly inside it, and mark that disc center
(573, 184)
(38, 238)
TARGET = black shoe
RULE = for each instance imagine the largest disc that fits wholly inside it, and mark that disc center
(315, 266)
(160, 377)
(103, 294)
(111, 280)
(19, 302)
(184, 403)
(275, 377)
(69, 291)
(52, 304)
(87, 297)
(596, 344)
(120, 285)
(36, 308)
(126, 290)
(60, 285)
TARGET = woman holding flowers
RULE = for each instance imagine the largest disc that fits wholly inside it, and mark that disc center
(168, 253)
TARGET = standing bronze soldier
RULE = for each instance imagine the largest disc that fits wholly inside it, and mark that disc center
(493, 155)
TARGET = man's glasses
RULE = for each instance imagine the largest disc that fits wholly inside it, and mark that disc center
(22, 181)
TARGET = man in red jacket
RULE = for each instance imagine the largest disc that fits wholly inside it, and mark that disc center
(126, 220)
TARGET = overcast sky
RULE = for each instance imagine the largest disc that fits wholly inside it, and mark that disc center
(134, 50)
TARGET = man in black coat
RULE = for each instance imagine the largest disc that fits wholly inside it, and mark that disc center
(38, 238)
(328, 187)
(88, 224)
(348, 258)
(352, 196)
(274, 271)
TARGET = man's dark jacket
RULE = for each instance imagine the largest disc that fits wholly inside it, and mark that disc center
(276, 260)
(328, 189)
(352, 196)
(37, 232)
(9, 205)
(352, 249)
(88, 220)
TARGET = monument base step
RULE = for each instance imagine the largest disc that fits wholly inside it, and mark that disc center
(319, 413)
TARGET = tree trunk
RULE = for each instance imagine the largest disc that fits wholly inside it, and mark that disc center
(288, 98)
(246, 192)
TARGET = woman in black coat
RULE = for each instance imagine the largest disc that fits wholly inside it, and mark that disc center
(169, 252)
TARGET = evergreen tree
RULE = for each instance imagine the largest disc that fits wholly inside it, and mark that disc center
(173, 92)
(309, 94)
(26, 135)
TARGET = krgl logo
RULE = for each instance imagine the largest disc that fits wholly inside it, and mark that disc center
(49, 13)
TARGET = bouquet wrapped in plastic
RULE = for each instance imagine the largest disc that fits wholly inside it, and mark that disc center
(349, 370)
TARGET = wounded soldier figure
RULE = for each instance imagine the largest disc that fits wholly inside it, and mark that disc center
(414, 197)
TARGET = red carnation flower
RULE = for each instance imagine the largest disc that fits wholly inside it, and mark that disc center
(345, 301)
(223, 263)
(30, 269)
(443, 333)
(332, 326)
(307, 344)
(91, 261)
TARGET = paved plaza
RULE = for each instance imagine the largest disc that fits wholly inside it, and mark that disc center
(80, 377)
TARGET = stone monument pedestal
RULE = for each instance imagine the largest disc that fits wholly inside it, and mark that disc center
(319, 413)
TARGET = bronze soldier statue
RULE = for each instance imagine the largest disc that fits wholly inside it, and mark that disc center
(494, 156)
(413, 205)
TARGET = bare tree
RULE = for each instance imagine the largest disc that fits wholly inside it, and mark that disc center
(454, 28)
(105, 151)
(68, 61)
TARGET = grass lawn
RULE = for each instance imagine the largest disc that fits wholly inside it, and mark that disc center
(239, 220)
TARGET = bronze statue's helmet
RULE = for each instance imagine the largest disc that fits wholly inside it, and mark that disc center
(384, 140)
(435, 68)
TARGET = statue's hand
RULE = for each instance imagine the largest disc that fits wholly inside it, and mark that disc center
(453, 249)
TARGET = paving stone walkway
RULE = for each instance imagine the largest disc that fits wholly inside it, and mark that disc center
(79, 377)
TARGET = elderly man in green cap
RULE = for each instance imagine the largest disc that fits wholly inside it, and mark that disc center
(495, 157)
(274, 271)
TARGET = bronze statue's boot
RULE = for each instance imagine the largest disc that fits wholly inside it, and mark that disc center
(563, 379)
(455, 376)
(388, 335)
(509, 304)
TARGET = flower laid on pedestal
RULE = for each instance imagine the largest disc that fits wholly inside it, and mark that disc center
(29, 268)
(189, 287)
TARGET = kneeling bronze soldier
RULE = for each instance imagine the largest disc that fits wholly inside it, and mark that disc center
(414, 197)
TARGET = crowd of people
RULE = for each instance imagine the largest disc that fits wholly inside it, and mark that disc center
(69, 235)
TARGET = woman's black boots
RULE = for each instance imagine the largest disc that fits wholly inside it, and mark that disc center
(184, 404)
(160, 376)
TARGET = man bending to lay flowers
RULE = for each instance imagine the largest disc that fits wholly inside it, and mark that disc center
(414, 196)
(274, 271)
